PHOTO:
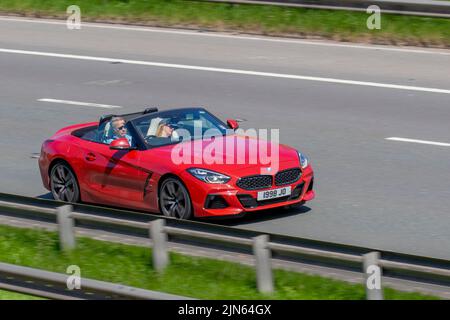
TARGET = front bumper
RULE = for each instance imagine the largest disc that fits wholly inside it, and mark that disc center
(229, 200)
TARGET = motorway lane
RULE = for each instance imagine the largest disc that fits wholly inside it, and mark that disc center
(371, 192)
(376, 64)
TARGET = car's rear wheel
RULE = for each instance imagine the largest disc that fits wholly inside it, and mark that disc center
(174, 199)
(63, 183)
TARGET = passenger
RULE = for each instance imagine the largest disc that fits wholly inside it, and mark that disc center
(164, 130)
(119, 131)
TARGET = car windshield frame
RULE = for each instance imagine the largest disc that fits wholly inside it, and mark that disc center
(173, 113)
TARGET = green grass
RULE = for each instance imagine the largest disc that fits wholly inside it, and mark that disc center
(269, 20)
(188, 276)
(8, 295)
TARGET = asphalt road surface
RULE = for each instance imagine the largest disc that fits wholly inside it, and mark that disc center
(335, 102)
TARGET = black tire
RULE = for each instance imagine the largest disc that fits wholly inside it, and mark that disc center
(174, 199)
(64, 184)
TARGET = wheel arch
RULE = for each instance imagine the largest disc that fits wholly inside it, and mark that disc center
(164, 177)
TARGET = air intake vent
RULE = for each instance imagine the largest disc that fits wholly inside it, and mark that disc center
(287, 176)
(255, 182)
(215, 202)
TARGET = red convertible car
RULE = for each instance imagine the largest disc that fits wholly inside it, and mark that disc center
(170, 162)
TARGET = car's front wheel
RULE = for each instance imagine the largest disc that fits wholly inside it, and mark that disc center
(63, 183)
(174, 199)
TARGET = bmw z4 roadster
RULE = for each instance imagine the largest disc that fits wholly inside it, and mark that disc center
(183, 163)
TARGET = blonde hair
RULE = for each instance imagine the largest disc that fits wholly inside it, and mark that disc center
(160, 129)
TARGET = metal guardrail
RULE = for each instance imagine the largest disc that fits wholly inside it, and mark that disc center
(429, 8)
(53, 285)
(262, 246)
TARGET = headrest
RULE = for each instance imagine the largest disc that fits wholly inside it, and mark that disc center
(108, 132)
(153, 127)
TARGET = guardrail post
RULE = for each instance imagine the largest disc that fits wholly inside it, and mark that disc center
(261, 250)
(159, 238)
(66, 227)
(372, 276)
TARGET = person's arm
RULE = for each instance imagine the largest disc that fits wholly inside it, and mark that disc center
(130, 140)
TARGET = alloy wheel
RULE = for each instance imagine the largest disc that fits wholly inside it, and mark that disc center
(174, 199)
(63, 183)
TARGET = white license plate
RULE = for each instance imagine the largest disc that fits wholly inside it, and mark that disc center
(274, 193)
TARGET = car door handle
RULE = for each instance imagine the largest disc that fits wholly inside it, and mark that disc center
(90, 157)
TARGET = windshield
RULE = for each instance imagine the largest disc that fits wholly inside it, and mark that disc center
(174, 126)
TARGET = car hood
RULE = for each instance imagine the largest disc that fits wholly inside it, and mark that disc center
(251, 155)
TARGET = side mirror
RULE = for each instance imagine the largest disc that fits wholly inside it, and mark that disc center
(120, 144)
(233, 124)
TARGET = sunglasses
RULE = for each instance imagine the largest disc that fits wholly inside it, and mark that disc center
(121, 128)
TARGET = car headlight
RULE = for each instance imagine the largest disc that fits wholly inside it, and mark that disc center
(208, 176)
(303, 160)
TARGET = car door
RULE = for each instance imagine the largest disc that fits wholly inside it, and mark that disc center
(113, 177)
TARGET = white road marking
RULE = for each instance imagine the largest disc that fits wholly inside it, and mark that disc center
(434, 143)
(79, 103)
(231, 71)
(231, 36)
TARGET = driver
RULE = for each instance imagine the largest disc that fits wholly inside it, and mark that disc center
(164, 130)
(119, 131)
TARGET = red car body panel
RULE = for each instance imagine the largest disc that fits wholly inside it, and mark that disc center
(130, 178)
